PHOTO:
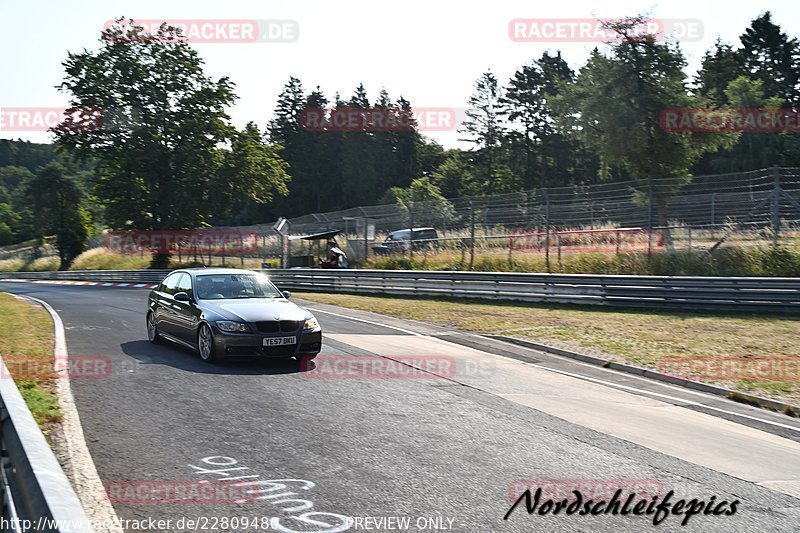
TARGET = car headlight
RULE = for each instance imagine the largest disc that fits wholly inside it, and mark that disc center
(311, 323)
(233, 327)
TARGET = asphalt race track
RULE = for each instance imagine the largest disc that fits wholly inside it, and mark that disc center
(444, 448)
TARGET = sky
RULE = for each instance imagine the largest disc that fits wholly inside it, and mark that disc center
(428, 51)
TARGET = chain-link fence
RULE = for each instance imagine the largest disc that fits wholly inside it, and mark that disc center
(701, 213)
(757, 208)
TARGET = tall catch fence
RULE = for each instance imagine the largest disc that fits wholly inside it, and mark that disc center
(701, 213)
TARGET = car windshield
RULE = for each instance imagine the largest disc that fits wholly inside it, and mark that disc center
(235, 286)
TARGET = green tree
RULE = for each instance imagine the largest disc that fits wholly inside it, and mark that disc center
(423, 202)
(615, 105)
(55, 199)
(456, 175)
(769, 55)
(361, 183)
(164, 119)
(484, 127)
(430, 156)
(9, 220)
(528, 98)
(252, 172)
(719, 68)
(527, 106)
(16, 217)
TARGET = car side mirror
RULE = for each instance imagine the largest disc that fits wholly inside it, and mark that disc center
(181, 297)
(287, 294)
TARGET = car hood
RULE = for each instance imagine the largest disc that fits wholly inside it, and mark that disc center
(255, 310)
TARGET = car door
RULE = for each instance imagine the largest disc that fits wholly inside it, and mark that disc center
(163, 309)
(186, 313)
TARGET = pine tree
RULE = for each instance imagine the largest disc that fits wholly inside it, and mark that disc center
(484, 128)
(769, 55)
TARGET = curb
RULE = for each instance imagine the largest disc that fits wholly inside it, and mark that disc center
(741, 397)
(95, 283)
(83, 472)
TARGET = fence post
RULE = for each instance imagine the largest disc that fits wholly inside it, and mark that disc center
(510, 248)
(713, 215)
(471, 235)
(366, 238)
(411, 230)
(618, 237)
(558, 244)
(775, 206)
(690, 239)
(650, 217)
(546, 230)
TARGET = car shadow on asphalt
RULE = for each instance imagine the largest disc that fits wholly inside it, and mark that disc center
(176, 356)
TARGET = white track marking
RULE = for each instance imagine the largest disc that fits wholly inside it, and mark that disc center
(84, 472)
(409, 332)
(663, 396)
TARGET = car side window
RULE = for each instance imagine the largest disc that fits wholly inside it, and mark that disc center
(171, 283)
(184, 284)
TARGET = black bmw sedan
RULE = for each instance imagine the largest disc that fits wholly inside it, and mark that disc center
(225, 311)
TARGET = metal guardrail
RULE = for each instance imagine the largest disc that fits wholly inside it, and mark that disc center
(657, 292)
(116, 276)
(36, 494)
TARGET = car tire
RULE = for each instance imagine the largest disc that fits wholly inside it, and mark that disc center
(205, 344)
(152, 329)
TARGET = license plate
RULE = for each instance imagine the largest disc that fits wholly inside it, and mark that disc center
(279, 341)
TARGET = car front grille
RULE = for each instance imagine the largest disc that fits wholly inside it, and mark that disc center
(284, 350)
(278, 326)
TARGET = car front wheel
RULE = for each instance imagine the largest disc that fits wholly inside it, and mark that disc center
(205, 344)
(152, 328)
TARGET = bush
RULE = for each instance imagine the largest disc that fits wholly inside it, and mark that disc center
(102, 259)
(732, 261)
(11, 265)
(43, 264)
(780, 262)
(393, 263)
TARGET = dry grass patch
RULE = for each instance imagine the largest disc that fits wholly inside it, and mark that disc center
(26, 346)
(645, 338)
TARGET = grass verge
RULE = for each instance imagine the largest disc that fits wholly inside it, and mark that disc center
(26, 346)
(754, 354)
(732, 261)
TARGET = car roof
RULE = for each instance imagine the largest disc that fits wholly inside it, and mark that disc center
(414, 229)
(200, 270)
